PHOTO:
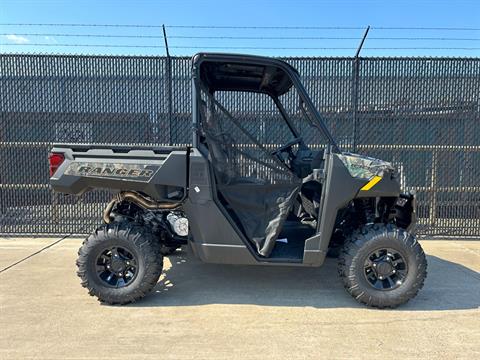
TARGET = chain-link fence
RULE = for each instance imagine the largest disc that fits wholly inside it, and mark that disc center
(423, 114)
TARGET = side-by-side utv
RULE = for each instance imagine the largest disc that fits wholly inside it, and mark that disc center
(267, 185)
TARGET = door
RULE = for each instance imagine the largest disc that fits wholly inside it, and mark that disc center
(242, 130)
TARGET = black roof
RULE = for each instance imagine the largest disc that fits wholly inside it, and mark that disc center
(223, 72)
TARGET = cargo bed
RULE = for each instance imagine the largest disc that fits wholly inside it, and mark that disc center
(160, 172)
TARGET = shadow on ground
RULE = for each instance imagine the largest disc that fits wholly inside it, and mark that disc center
(188, 282)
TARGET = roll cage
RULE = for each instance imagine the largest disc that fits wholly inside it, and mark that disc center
(263, 177)
(228, 72)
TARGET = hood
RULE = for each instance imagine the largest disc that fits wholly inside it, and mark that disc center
(365, 167)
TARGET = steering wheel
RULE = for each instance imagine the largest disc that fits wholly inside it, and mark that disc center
(286, 148)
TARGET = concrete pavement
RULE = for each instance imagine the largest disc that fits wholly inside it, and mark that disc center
(207, 311)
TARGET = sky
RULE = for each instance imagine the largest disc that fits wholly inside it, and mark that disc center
(297, 27)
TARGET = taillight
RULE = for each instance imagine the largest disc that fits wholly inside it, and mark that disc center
(55, 160)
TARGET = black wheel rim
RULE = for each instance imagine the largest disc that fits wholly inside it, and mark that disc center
(116, 267)
(385, 269)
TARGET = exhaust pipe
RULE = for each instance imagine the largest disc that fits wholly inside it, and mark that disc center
(136, 199)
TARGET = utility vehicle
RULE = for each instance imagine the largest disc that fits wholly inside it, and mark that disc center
(267, 185)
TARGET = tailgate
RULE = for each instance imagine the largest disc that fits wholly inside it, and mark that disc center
(159, 172)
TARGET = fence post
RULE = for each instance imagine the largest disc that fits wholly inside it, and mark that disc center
(433, 190)
(355, 87)
(169, 87)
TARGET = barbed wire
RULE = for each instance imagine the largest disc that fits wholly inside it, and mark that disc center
(245, 27)
(81, 25)
(239, 47)
(323, 27)
(244, 37)
(87, 35)
(252, 42)
(267, 27)
(426, 28)
(319, 38)
(86, 45)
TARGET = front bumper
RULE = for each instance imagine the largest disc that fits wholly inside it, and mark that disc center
(406, 211)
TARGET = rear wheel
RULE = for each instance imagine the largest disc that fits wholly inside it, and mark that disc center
(382, 266)
(120, 263)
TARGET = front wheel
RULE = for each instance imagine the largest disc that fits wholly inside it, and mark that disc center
(382, 266)
(120, 263)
